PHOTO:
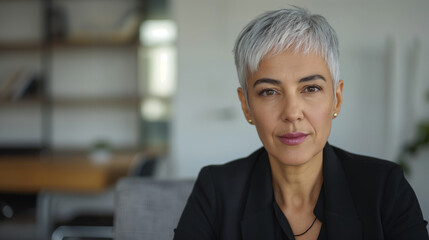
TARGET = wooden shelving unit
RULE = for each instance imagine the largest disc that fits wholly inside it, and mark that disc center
(21, 46)
(47, 101)
(22, 102)
(60, 108)
(97, 102)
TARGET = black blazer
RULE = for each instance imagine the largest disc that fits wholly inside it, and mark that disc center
(365, 198)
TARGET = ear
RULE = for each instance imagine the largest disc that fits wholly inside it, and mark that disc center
(244, 105)
(339, 96)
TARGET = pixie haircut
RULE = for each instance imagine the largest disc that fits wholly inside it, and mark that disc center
(276, 31)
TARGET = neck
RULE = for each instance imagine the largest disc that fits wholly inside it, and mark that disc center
(297, 187)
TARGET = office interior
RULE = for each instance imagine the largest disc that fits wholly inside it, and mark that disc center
(91, 91)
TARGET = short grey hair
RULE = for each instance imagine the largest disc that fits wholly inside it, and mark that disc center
(276, 31)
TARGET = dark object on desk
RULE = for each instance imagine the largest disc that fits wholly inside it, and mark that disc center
(16, 207)
(145, 168)
(20, 150)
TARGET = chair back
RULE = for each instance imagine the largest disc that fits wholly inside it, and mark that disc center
(147, 208)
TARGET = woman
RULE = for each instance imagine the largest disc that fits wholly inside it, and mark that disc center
(297, 186)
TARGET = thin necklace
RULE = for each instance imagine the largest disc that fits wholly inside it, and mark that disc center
(307, 228)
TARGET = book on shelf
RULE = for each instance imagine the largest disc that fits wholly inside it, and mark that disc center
(7, 84)
(21, 83)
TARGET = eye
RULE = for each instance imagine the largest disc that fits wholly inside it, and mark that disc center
(312, 89)
(267, 92)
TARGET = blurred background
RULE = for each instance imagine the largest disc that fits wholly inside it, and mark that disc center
(95, 90)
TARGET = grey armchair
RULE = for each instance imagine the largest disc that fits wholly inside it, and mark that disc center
(148, 208)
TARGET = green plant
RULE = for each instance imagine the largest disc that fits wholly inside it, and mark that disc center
(101, 144)
(412, 147)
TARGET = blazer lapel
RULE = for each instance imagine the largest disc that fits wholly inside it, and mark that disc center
(258, 218)
(342, 221)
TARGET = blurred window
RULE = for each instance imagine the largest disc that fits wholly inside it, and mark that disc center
(157, 73)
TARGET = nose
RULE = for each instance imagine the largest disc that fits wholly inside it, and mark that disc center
(292, 109)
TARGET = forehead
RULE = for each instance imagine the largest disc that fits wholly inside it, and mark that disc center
(291, 65)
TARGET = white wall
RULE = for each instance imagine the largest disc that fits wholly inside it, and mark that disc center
(383, 92)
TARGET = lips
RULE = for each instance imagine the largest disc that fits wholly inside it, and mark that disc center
(294, 138)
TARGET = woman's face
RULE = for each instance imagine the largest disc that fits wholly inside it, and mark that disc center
(291, 102)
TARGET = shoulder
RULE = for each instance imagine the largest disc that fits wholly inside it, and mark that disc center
(236, 168)
(363, 166)
(371, 179)
(217, 199)
(236, 172)
(382, 195)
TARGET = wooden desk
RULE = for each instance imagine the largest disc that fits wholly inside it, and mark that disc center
(70, 172)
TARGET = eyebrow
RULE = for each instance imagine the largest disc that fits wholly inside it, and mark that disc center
(277, 82)
(266, 80)
(312, 77)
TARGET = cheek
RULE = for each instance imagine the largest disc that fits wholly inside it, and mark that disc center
(321, 106)
(266, 119)
(320, 118)
(265, 114)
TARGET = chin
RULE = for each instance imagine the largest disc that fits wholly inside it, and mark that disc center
(295, 155)
(290, 159)
(294, 162)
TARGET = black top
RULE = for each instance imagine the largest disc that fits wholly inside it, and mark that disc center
(364, 199)
(283, 229)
